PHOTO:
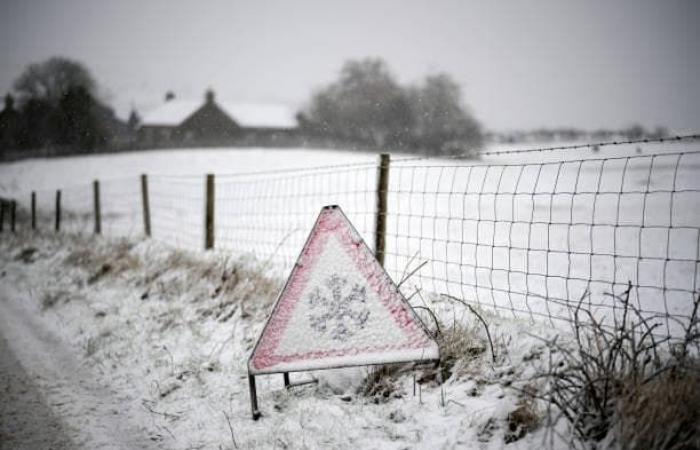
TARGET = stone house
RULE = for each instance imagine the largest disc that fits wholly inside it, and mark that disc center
(212, 122)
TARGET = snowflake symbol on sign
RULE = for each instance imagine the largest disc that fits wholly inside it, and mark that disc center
(339, 308)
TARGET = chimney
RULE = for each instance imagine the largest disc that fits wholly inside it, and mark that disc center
(209, 96)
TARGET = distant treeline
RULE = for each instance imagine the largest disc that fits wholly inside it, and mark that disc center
(567, 134)
(56, 107)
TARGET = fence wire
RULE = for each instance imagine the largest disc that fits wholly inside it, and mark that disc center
(271, 216)
(120, 204)
(77, 213)
(528, 235)
(177, 209)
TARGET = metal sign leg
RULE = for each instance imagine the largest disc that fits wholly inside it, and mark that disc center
(253, 397)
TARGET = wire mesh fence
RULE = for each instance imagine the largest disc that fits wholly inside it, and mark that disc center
(527, 234)
(121, 208)
(532, 239)
(177, 208)
(270, 215)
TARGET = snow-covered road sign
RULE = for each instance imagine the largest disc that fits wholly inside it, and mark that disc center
(339, 308)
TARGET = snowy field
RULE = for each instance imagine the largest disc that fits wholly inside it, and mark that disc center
(524, 233)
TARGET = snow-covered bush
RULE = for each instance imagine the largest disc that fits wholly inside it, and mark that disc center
(612, 379)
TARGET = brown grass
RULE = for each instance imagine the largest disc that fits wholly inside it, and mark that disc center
(522, 420)
(459, 345)
(235, 285)
(380, 385)
(620, 382)
(100, 259)
(661, 414)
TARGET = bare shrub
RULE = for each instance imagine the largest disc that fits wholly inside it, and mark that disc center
(611, 369)
(94, 343)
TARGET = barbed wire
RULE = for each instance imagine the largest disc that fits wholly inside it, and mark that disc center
(660, 140)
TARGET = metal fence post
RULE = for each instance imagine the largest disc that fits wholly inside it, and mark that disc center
(380, 219)
(33, 208)
(209, 214)
(57, 226)
(96, 202)
(146, 205)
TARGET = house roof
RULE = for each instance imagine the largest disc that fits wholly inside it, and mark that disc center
(252, 115)
(171, 113)
(247, 115)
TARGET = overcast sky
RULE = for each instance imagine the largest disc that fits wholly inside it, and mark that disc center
(521, 64)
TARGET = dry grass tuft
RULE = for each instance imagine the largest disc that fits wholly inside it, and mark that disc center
(662, 414)
(522, 420)
(100, 259)
(459, 345)
(51, 297)
(236, 286)
(27, 255)
(380, 385)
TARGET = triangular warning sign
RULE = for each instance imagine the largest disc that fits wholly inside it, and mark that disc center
(339, 308)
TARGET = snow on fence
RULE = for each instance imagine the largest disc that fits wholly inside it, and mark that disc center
(527, 234)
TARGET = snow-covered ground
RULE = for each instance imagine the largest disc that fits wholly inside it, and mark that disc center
(138, 345)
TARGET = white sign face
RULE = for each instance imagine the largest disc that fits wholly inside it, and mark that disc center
(339, 308)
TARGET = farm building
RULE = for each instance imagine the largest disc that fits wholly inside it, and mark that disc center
(213, 122)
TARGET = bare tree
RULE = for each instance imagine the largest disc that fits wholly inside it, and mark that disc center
(442, 123)
(366, 104)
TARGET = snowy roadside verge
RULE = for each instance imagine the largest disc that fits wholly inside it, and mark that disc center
(166, 334)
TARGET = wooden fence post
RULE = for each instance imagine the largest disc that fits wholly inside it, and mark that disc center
(13, 214)
(33, 208)
(96, 202)
(58, 211)
(146, 205)
(209, 214)
(380, 219)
